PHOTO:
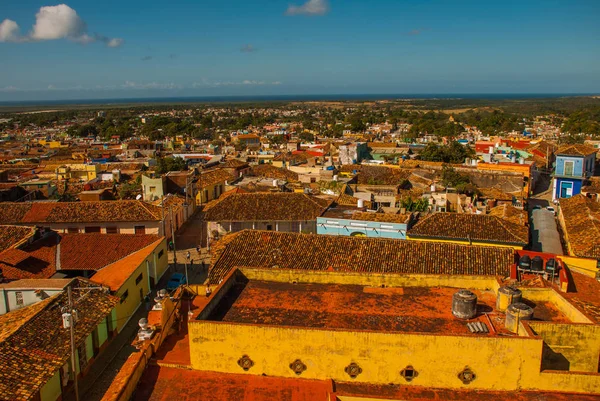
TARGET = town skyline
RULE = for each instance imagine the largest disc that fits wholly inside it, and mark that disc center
(80, 50)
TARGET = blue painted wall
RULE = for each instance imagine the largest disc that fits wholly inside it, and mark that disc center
(372, 229)
(577, 184)
(581, 166)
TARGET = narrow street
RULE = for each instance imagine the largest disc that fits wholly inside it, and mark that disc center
(95, 384)
(545, 236)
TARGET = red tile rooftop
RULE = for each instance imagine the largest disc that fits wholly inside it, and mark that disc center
(415, 393)
(354, 307)
(167, 384)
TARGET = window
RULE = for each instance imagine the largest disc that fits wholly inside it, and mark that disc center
(19, 298)
(161, 253)
(409, 373)
(569, 167)
(139, 278)
(83, 360)
(236, 226)
(152, 189)
(124, 296)
(92, 230)
(140, 229)
(72, 230)
(269, 227)
(112, 230)
(296, 226)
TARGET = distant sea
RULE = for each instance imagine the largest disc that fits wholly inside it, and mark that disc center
(290, 98)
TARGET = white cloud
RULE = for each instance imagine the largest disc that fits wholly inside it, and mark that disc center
(311, 7)
(247, 82)
(9, 31)
(58, 22)
(149, 85)
(53, 23)
(9, 89)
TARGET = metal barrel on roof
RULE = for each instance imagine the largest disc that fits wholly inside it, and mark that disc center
(464, 304)
(516, 313)
(507, 295)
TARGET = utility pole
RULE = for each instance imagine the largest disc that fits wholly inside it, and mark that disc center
(72, 329)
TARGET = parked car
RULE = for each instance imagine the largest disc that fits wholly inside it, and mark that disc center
(551, 209)
(175, 281)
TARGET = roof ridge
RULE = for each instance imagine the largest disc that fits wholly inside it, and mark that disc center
(504, 222)
(146, 206)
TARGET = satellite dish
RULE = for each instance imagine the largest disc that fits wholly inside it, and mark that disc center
(138, 197)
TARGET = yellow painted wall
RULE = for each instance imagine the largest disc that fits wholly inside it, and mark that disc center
(589, 267)
(578, 343)
(202, 199)
(52, 390)
(373, 279)
(497, 361)
(500, 363)
(564, 306)
(128, 307)
(408, 237)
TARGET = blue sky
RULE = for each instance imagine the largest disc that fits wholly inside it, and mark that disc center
(134, 48)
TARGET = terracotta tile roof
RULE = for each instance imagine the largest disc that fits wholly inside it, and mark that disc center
(78, 212)
(347, 198)
(37, 284)
(474, 227)
(250, 248)
(234, 163)
(382, 392)
(115, 274)
(375, 175)
(38, 345)
(510, 213)
(576, 150)
(38, 260)
(270, 171)
(593, 186)
(581, 217)
(11, 235)
(165, 383)
(40, 263)
(80, 251)
(210, 178)
(12, 321)
(264, 206)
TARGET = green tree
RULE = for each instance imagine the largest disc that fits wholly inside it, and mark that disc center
(166, 164)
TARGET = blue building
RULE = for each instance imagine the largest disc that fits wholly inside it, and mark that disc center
(352, 222)
(574, 164)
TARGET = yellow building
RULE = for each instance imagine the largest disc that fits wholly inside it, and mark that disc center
(132, 278)
(77, 172)
(211, 184)
(393, 331)
(52, 144)
(349, 319)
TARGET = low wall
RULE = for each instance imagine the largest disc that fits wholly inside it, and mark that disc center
(572, 347)
(372, 279)
(126, 381)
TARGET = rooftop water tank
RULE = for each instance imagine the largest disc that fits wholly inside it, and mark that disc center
(525, 262)
(537, 264)
(515, 313)
(464, 304)
(507, 296)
